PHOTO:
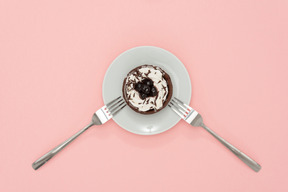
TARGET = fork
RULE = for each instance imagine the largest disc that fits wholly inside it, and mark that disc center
(195, 119)
(100, 117)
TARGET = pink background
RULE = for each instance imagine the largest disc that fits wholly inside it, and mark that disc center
(53, 57)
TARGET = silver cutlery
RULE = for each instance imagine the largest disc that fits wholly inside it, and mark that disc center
(194, 118)
(99, 117)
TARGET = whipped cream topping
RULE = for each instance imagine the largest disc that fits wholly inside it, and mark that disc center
(150, 103)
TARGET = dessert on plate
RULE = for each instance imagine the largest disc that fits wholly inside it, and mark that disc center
(147, 89)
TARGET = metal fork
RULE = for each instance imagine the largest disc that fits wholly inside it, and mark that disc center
(99, 117)
(194, 118)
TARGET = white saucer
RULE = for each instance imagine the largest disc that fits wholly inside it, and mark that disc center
(128, 60)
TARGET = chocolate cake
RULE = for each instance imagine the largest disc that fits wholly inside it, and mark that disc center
(147, 89)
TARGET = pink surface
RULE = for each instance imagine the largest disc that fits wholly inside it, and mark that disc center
(53, 57)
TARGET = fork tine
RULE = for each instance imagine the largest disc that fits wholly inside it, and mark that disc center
(176, 111)
(183, 108)
(179, 101)
(111, 102)
(179, 107)
(115, 105)
(117, 108)
(176, 106)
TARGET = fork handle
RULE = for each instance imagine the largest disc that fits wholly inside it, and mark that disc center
(242, 156)
(42, 160)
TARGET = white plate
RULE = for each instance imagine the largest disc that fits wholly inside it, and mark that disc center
(125, 62)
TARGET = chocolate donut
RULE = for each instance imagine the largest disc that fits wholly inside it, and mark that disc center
(147, 89)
